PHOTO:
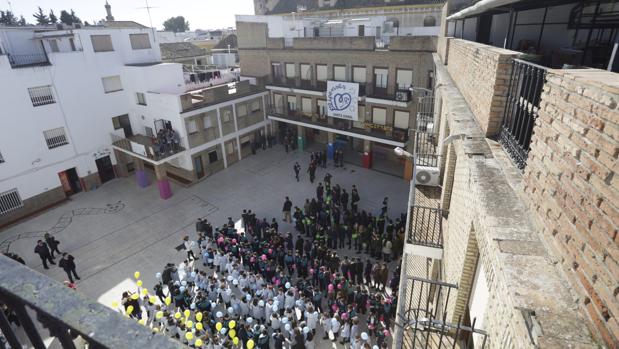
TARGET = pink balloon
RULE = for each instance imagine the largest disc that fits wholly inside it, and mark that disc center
(330, 287)
(339, 286)
(270, 251)
(252, 259)
(220, 240)
(311, 271)
(264, 257)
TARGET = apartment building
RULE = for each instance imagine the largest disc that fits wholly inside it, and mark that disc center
(383, 55)
(517, 247)
(85, 105)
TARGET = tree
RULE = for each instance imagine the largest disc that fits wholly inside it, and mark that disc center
(52, 17)
(22, 21)
(176, 24)
(41, 17)
(69, 18)
(7, 18)
(75, 18)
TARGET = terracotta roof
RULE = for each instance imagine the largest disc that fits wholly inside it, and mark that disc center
(173, 50)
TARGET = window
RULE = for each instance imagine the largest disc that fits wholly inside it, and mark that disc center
(139, 41)
(339, 73)
(192, 126)
(401, 120)
(101, 43)
(379, 116)
(208, 123)
(149, 131)
(429, 21)
(292, 103)
(255, 106)
(55, 138)
(321, 72)
(430, 80)
(290, 72)
(278, 103)
(41, 95)
(306, 72)
(212, 157)
(241, 110)
(276, 69)
(10, 201)
(404, 79)
(226, 115)
(1, 158)
(306, 105)
(53, 44)
(380, 77)
(112, 84)
(72, 43)
(358, 75)
(322, 107)
(141, 98)
(230, 148)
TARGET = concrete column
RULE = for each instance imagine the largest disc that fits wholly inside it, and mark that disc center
(140, 173)
(330, 145)
(165, 191)
(300, 138)
(367, 153)
(223, 153)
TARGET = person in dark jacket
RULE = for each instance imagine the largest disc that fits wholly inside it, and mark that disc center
(52, 243)
(67, 263)
(43, 251)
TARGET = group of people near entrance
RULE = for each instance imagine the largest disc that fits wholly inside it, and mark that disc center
(255, 286)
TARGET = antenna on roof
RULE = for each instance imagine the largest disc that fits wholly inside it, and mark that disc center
(150, 19)
(10, 6)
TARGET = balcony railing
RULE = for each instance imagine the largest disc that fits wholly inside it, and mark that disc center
(148, 147)
(320, 86)
(426, 227)
(426, 149)
(46, 308)
(369, 129)
(523, 98)
(29, 60)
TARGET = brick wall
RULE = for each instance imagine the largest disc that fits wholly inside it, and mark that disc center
(573, 186)
(481, 73)
(334, 43)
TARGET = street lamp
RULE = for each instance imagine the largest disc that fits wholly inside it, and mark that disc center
(401, 152)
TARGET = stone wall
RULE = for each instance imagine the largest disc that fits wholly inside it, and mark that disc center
(413, 43)
(252, 35)
(481, 73)
(573, 186)
(489, 223)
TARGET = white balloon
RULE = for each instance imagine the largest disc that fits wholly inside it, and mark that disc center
(158, 276)
(261, 303)
(182, 289)
(284, 320)
(248, 297)
(193, 274)
(375, 347)
(219, 314)
(287, 327)
(364, 336)
(274, 307)
(235, 282)
(184, 283)
(230, 310)
(306, 330)
(249, 320)
(192, 306)
(287, 285)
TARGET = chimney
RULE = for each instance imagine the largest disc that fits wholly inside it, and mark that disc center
(108, 9)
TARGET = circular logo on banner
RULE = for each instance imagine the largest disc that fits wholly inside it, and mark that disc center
(339, 98)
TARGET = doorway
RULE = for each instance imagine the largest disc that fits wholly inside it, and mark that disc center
(197, 164)
(70, 181)
(125, 124)
(361, 30)
(105, 168)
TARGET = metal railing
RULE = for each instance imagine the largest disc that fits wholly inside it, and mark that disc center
(148, 146)
(46, 308)
(523, 98)
(426, 148)
(29, 60)
(426, 226)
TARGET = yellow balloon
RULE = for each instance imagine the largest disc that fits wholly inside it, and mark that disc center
(130, 309)
(187, 313)
(136, 275)
(232, 324)
(250, 344)
(218, 326)
(144, 291)
(199, 326)
(159, 315)
(139, 283)
(177, 315)
(199, 316)
(142, 322)
(189, 324)
(198, 343)
(235, 340)
(135, 296)
(155, 329)
(232, 333)
(168, 300)
(152, 299)
(114, 304)
(189, 336)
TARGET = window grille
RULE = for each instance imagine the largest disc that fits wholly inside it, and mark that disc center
(41, 95)
(55, 138)
(10, 201)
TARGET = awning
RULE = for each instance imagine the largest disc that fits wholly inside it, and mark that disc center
(479, 8)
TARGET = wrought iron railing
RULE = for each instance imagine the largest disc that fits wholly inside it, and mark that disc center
(46, 309)
(426, 226)
(29, 60)
(523, 98)
(148, 147)
(426, 148)
(425, 322)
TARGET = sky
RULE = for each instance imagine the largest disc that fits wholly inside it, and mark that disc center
(201, 14)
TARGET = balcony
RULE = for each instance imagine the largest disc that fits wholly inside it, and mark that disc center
(148, 148)
(380, 95)
(214, 95)
(378, 133)
(306, 85)
(29, 60)
(47, 310)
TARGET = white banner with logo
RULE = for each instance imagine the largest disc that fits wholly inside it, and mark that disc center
(342, 100)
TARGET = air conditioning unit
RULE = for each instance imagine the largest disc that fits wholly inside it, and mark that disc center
(428, 176)
(402, 96)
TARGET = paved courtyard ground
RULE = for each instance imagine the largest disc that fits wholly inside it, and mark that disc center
(121, 228)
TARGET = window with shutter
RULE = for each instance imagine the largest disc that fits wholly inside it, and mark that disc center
(139, 41)
(339, 72)
(192, 126)
(101, 43)
(358, 75)
(306, 72)
(306, 105)
(380, 77)
(290, 72)
(292, 103)
(112, 84)
(208, 123)
(379, 116)
(241, 110)
(404, 79)
(321, 72)
(322, 107)
(401, 119)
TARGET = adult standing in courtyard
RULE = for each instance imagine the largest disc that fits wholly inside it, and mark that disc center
(43, 251)
(297, 168)
(286, 209)
(52, 243)
(188, 247)
(67, 263)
